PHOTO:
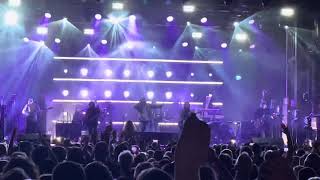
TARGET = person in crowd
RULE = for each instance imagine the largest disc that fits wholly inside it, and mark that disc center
(68, 170)
(154, 174)
(128, 133)
(125, 161)
(97, 171)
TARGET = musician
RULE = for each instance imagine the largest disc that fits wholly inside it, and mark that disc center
(91, 120)
(31, 110)
(184, 114)
(145, 113)
(262, 120)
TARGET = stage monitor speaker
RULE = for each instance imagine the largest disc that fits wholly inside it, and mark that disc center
(162, 138)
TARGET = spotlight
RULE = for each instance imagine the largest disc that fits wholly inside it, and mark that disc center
(287, 12)
(126, 73)
(188, 23)
(203, 20)
(117, 6)
(170, 18)
(88, 45)
(286, 27)
(107, 94)
(233, 141)
(84, 71)
(188, 8)
(129, 45)
(150, 94)
(252, 46)
(108, 72)
(88, 31)
(25, 39)
(251, 21)
(47, 15)
(132, 17)
(210, 95)
(224, 45)
(191, 95)
(126, 94)
(153, 47)
(14, 3)
(196, 47)
(236, 24)
(168, 74)
(150, 74)
(185, 44)
(238, 77)
(41, 43)
(196, 35)
(65, 71)
(57, 40)
(114, 20)
(84, 93)
(168, 95)
(11, 18)
(241, 37)
(104, 42)
(65, 93)
(42, 30)
(98, 16)
(210, 74)
(192, 74)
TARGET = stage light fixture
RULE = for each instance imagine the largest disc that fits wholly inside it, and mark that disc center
(84, 71)
(286, 27)
(150, 74)
(153, 47)
(191, 95)
(192, 74)
(203, 20)
(188, 23)
(25, 39)
(170, 18)
(185, 44)
(47, 15)
(252, 46)
(65, 93)
(236, 24)
(150, 94)
(117, 6)
(126, 73)
(287, 12)
(84, 93)
(88, 31)
(11, 18)
(115, 20)
(132, 17)
(238, 77)
(189, 8)
(224, 45)
(42, 30)
(57, 40)
(108, 72)
(104, 42)
(169, 74)
(210, 95)
(107, 94)
(251, 21)
(168, 95)
(65, 71)
(241, 37)
(126, 94)
(14, 3)
(42, 43)
(196, 47)
(98, 16)
(210, 75)
(196, 35)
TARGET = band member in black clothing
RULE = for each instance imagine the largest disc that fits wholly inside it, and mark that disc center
(91, 120)
(145, 113)
(185, 114)
(31, 110)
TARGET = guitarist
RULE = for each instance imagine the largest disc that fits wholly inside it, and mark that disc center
(145, 113)
(31, 110)
(91, 120)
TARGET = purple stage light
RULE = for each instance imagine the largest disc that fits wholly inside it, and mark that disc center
(168, 74)
(126, 94)
(170, 18)
(108, 72)
(196, 47)
(150, 94)
(42, 30)
(42, 43)
(104, 42)
(57, 40)
(224, 45)
(252, 46)
(98, 16)
(251, 21)
(210, 95)
(185, 44)
(150, 74)
(84, 93)
(11, 18)
(204, 20)
(114, 20)
(196, 35)
(25, 39)
(84, 71)
(47, 15)
(126, 73)
(117, 6)
(107, 94)
(210, 74)
(188, 23)
(65, 93)
(132, 17)
(168, 95)
(129, 45)
(192, 74)
(241, 37)
(188, 8)
(14, 3)
(238, 77)
(236, 24)
(88, 31)
(191, 95)
(65, 71)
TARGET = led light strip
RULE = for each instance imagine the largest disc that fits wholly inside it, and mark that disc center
(139, 81)
(129, 102)
(139, 60)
